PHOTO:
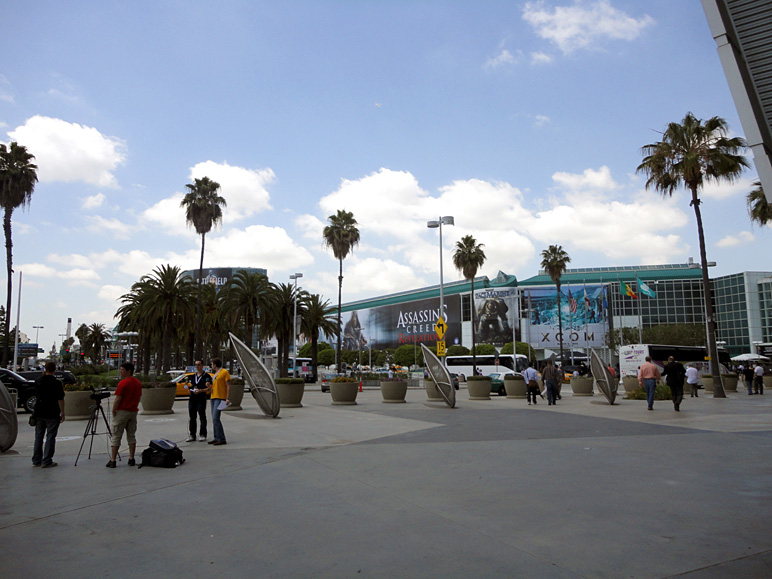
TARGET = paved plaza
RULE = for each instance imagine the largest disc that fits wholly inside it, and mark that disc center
(491, 488)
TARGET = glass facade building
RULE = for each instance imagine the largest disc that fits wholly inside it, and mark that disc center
(743, 310)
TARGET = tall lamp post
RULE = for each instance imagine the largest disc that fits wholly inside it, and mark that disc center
(37, 332)
(447, 220)
(295, 277)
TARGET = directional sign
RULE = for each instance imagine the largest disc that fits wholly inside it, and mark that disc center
(440, 327)
(441, 347)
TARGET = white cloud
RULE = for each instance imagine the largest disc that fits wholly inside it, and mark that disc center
(540, 58)
(503, 58)
(743, 238)
(36, 270)
(589, 179)
(70, 152)
(112, 227)
(541, 120)
(583, 24)
(111, 293)
(243, 189)
(311, 226)
(93, 201)
(5, 90)
(724, 190)
(169, 215)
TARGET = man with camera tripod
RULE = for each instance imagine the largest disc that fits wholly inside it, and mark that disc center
(125, 410)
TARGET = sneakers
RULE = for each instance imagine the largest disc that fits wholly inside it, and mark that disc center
(202, 438)
(190, 438)
(37, 464)
(219, 442)
(132, 462)
(110, 464)
(50, 465)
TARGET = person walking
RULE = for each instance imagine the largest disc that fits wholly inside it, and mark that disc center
(199, 385)
(125, 409)
(220, 390)
(758, 384)
(748, 375)
(648, 376)
(49, 414)
(550, 375)
(674, 373)
(531, 377)
(693, 380)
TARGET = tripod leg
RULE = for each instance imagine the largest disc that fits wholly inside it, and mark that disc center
(89, 431)
(109, 432)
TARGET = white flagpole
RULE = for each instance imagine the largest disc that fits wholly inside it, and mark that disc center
(16, 341)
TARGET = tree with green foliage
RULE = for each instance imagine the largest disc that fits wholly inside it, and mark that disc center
(457, 350)
(675, 334)
(554, 261)
(520, 348)
(759, 209)
(689, 154)
(243, 299)
(468, 258)
(317, 318)
(203, 210)
(342, 236)
(485, 350)
(408, 355)
(18, 176)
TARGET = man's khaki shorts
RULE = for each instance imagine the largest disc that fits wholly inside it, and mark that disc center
(124, 420)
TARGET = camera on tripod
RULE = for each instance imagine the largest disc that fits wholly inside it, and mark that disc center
(100, 394)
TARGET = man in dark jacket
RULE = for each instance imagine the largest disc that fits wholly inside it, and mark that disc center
(49, 414)
(674, 374)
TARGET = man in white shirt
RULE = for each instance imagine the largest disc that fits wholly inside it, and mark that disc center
(692, 379)
(758, 384)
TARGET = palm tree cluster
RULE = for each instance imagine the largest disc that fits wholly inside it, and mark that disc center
(93, 339)
(162, 308)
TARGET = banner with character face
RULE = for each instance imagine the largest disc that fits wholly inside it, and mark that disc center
(495, 315)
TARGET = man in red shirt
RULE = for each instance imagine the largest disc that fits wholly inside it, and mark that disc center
(648, 376)
(125, 410)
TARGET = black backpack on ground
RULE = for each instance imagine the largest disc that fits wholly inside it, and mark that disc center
(163, 453)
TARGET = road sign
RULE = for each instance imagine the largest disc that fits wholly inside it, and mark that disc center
(441, 347)
(440, 327)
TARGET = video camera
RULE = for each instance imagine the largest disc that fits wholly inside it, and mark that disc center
(100, 394)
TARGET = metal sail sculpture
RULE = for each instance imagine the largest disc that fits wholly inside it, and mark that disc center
(603, 379)
(9, 424)
(439, 373)
(261, 384)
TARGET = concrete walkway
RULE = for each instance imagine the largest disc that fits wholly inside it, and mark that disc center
(491, 488)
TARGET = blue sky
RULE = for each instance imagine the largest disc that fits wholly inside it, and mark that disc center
(523, 120)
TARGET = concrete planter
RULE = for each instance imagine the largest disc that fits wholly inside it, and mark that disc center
(431, 391)
(290, 392)
(515, 386)
(767, 381)
(582, 385)
(77, 405)
(235, 395)
(479, 387)
(630, 383)
(707, 383)
(393, 392)
(344, 393)
(730, 382)
(158, 400)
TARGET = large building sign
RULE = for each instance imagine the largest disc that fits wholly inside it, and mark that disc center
(583, 311)
(495, 315)
(394, 325)
(219, 276)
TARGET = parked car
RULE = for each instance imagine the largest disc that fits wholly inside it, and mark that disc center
(497, 382)
(25, 388)
(63, 375)
(183, 382)
(454, 379)
(326, 380)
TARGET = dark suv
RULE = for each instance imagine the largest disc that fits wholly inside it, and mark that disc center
(25, 388)
(63, 375)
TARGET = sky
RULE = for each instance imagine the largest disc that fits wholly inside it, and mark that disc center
(522, 120)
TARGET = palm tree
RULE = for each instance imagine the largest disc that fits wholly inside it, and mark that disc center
(278, 319)
(342, 235)
(554, 261)
(316, 318)
(203, 210)
(758, 207)
(689, 154)
(97, 339)
(82, 334)
(17, 183)
(468, 258)
(244, 299)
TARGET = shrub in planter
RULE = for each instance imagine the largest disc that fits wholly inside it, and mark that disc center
(77, 401)
(661, 392)
(290, 391)
(343, 390)
(158, 397)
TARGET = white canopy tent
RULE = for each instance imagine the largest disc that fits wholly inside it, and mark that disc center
(750, 358)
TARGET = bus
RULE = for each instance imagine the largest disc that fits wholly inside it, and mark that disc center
(302, 368)
(632, 356)
(505, 363)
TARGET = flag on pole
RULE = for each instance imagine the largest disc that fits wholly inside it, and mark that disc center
(571, 302)
(645, 290)
(587, 304)
(626, 290)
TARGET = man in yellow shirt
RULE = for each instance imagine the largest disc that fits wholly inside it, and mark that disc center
(219, 391)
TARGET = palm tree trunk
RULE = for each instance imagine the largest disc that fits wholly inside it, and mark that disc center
(560, 326)
(474, 350)
(198, 301)
(718, 387)
(9, 265)
(340, 327)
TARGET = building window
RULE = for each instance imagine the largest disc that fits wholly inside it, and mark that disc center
(466, 308)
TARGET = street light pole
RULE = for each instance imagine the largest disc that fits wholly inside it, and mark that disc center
(294, 324)
(446, 220)
(37, 332)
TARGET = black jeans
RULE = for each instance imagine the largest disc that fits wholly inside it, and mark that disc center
(197, 406)
(48, 428)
